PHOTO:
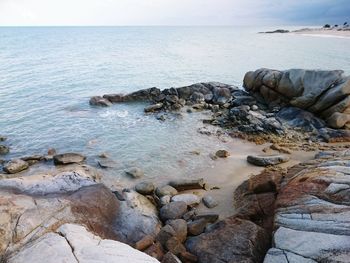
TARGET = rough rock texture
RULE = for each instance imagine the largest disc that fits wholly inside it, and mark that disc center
(175, 98)
(32, 205)
(230, 240)
(137, 218)
(68, 158)
(16, 166)
(99, 101)
(325, 93)
(72, 244)
(312, 212)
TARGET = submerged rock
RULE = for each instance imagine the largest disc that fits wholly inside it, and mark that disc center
(68, 158)
(99, 101)
(135, 172)
(222, 154)
(16, 166)
(4, 149)
(266, 160)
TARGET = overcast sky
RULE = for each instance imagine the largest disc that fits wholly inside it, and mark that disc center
(173, 12)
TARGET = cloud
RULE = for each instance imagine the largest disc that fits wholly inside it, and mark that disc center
(172, 12)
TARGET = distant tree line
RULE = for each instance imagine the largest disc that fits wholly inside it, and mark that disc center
(329, 26)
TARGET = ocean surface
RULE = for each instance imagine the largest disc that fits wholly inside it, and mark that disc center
(48, 74)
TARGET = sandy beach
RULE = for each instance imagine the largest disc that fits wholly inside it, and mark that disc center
(323, 33)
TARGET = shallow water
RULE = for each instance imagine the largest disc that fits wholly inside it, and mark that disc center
(48, 74)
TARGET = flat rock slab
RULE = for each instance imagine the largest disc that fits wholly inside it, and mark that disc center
(189, 199)
(266, 160)
(16, 166)
(73, 243)
(68, 158)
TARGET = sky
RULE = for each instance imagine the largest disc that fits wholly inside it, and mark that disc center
(173, 12)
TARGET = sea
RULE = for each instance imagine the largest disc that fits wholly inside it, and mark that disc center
(48, 74)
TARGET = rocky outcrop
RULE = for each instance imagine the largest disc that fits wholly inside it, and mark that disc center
(312, 211)
(73, 243)
(205, 94)
(324, 93)
(34, 204)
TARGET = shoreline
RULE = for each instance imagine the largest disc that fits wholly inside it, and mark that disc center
(283, 169)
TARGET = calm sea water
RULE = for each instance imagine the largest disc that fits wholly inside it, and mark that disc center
(48, 74)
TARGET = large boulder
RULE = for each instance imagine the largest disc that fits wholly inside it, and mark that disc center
(74, 243)
(230, 240)
(325, 93)
(312, 212)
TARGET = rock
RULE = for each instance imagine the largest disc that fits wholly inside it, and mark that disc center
(106, 163)
(180, 228)
(73, 243)
(173, 210)
(175, 246)
(209, 217)
(196, 227)
(34, 204)
(222, 154)
(189, 199)
(165, 200)
(68, 158)
(145, 188)
(279, 31)
(324, 93)
(221, 96)
(266, 160)
(114, 98)
(170, 258)
(137, 218)
(165, 234)
(154, 107)
(2, 138)
(189, 215)
(135, 172)
(187, 184)
(230, 240)
(4, 149)
(166, 190)
(32, 158)
(51, 152)
(281, 149)
(155, 251)
(99, 101)
(187, 257)
(15, 166)
(197, 97)
(209, 201)
(144, 243)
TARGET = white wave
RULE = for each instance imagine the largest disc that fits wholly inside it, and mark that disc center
(114, 113)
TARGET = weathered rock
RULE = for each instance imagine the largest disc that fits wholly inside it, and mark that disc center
(144, 243)
(187, 257)
(165, 234)
(209, 201)
(4, 149)
(173, 210)
(209, 217)
(196, 227)
(155, 251)
(311, 218)
(189, 199)
(15, 166)
(221, 96)
(135, 172)
(166, 190)
(175, 246)
(230, 240)
(180, 228)
(222, 154)
(145, 188)
(266, 160)
(73, 243)
(165, 200)
(154, 107)
(324, 93)
(114, 98)
(137, 218)
(68, 158)
(170, 258)
(99, 101)
(187, 184)
(106, 163)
